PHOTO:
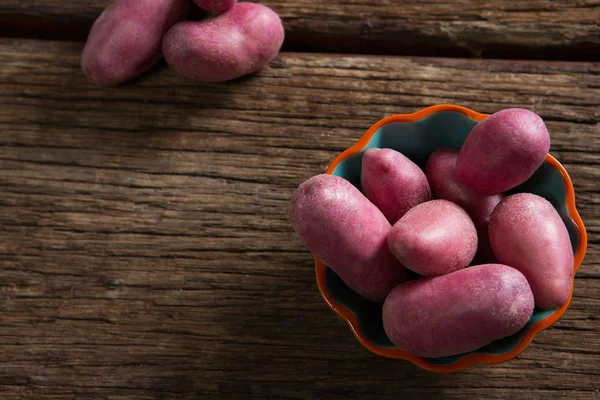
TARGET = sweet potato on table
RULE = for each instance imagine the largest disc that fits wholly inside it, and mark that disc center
(126, 39)
(233, 44)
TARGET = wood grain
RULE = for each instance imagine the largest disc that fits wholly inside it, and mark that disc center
(145, 249)
(535, 29)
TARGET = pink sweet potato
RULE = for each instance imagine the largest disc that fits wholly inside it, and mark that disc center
(233, 44)
(434, 238)
(528, 234)
(342, 228)
(126, 39)
(459, 312)
(503, 151)
(445, 184)
(393, 182)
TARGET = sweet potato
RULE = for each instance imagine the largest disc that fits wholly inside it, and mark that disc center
(459, 312)
(434, 238)
(503, 151)
(233, 44)
(527, 233)
(393, 182)
(342, 228)
(126, 39)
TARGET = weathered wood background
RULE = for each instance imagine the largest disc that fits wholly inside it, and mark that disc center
(145, 251)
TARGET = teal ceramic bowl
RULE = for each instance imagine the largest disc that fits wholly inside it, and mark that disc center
(417, 136)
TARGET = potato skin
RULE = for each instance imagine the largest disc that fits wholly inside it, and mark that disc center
(458, 312)
(342, 228)
(434, 238)
(445, 184)
(503, 151)
(393, 182)
(527, 233)
(215, 5)
(233, 44)
(126, 39)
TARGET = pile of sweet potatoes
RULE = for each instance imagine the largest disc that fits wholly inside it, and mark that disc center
(521, 247)
(130, 36)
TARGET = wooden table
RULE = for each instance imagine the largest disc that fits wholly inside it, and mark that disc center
(145, 248)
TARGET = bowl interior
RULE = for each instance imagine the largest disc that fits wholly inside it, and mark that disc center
(417, 140)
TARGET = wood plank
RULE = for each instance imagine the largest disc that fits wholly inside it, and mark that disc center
(536, 29)
(145, 248)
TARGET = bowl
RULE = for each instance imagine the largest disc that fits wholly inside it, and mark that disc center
(417, 136)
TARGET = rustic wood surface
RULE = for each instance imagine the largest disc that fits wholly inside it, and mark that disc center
(145, 249)
(541, 29)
